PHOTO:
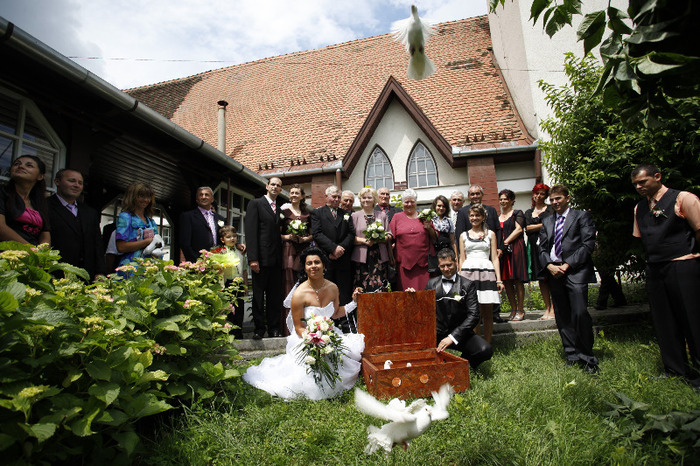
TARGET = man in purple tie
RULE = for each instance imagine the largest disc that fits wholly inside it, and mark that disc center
(264, 246)
(567, 240)
(199, 226)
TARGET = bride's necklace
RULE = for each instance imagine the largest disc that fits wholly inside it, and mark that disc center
(317, 290)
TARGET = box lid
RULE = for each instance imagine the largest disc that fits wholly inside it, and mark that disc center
(400, 321)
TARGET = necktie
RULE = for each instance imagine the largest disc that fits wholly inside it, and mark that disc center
(274, 207)
(335, 214)
(447, 284)
(212, 226)
(73, 209)
(558, 233)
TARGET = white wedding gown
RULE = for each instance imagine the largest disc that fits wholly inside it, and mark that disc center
(283, 376)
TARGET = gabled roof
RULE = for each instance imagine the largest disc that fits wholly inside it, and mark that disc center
(393, 90)
(305, 110)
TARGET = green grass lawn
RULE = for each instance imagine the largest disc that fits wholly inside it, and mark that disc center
(524, 407)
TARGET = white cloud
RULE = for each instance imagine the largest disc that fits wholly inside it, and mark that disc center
(141, 42)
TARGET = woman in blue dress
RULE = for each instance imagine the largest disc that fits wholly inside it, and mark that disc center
(135, 226)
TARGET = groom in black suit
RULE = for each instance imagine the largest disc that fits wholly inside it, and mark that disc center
(567, 240)
(334, 233)
(75, 228)
(457, 310)
(264, 243)
(199, 227)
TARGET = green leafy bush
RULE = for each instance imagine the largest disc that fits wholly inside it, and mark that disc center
(81, 363)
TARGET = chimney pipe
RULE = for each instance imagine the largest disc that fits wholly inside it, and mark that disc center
(222, 125)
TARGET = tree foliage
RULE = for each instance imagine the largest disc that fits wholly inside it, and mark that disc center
(650, 56)
(592, 152)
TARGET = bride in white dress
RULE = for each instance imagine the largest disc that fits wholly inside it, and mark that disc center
(283, 375)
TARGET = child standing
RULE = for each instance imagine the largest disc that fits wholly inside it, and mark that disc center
(235, 270)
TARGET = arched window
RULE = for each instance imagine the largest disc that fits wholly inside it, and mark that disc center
(25, 131)
(378, 173)
(421, 168)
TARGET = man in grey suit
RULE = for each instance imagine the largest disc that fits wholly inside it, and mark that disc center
(457, 312)
(567, 240)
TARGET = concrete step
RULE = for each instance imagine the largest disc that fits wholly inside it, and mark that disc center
(518, 332)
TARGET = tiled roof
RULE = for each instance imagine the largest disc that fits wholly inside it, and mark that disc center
(308, 105)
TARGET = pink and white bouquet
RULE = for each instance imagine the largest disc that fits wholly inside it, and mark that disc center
(375, 231)
(321, 349)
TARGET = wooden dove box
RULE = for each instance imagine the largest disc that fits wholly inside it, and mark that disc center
(401, 327)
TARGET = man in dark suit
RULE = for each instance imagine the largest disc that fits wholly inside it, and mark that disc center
(457, 311)
(264, 246)
(384, 204)
(199, 227)
(334, 234)
(567, 240)
(75, 228)
(668, 222)
(476, 195)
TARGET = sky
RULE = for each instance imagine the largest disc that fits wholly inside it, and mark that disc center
(131, 43)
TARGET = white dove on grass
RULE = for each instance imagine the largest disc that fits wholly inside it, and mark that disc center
(414, 33)
(408, 422)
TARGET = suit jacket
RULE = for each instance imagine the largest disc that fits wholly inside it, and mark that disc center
(578, 242)
(491, 222)
(262, 233)
(456, 318)
(359, 223)
(330, 232)
(78, 239)
(195, 234)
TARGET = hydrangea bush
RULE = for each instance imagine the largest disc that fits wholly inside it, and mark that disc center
(80, 363)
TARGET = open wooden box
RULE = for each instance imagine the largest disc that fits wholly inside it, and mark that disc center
(401, 327)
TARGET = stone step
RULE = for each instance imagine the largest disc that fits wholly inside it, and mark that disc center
(518, 332)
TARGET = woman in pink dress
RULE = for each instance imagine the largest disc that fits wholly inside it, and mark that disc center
(293, 244)
(414, 242)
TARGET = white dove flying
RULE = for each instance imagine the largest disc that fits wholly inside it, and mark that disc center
(414, 33)
(408, 422)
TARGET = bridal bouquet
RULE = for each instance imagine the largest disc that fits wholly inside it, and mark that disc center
(426, 214)
(297, 227)
(321, 349)
(375, 231)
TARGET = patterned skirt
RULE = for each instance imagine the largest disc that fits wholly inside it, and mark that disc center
(482, 273)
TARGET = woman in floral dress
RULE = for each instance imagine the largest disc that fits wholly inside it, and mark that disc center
(370, 257)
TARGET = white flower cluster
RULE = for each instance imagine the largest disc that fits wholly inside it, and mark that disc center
(375, 231)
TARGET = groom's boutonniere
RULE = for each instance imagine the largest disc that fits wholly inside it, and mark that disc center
(658, 212)
(457, 297)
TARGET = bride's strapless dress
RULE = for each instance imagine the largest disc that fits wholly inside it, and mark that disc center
(283, 376)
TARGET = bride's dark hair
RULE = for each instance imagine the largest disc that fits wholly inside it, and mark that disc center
(311, 251)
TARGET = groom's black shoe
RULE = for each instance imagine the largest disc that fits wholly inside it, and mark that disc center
(258, 335)
(273, 333)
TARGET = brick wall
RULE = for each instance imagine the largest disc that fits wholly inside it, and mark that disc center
(319, 183)
(483, 172)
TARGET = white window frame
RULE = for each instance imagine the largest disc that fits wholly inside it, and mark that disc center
(380, 152)
(412, 167)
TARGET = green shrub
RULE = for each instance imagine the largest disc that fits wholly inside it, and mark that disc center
(81, 363)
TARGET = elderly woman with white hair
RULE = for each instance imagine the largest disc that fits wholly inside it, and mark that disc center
(414, 242)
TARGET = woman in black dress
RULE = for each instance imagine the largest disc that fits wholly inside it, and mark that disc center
(514, 259)
(533, 221)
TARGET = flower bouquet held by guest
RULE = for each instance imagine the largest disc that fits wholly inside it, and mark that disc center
(480, 264)
(137, 233)
(445, 231)
(292, 375)
(533, 220)
(23, 214)
(296, 236)
(414, 241)
(235, 275)
(370, 254)
(514, 261)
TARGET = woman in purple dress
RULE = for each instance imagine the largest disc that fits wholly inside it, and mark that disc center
(414, 242)
(369, 256)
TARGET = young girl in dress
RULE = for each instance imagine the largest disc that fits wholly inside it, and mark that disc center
(235, 268)
(479, 259)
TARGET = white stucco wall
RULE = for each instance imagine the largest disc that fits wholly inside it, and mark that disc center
(397, 134)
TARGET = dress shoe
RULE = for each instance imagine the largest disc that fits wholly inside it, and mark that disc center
(273, 333)
(258, 335)
(590, 368)
(498, 320)
(600, 307)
